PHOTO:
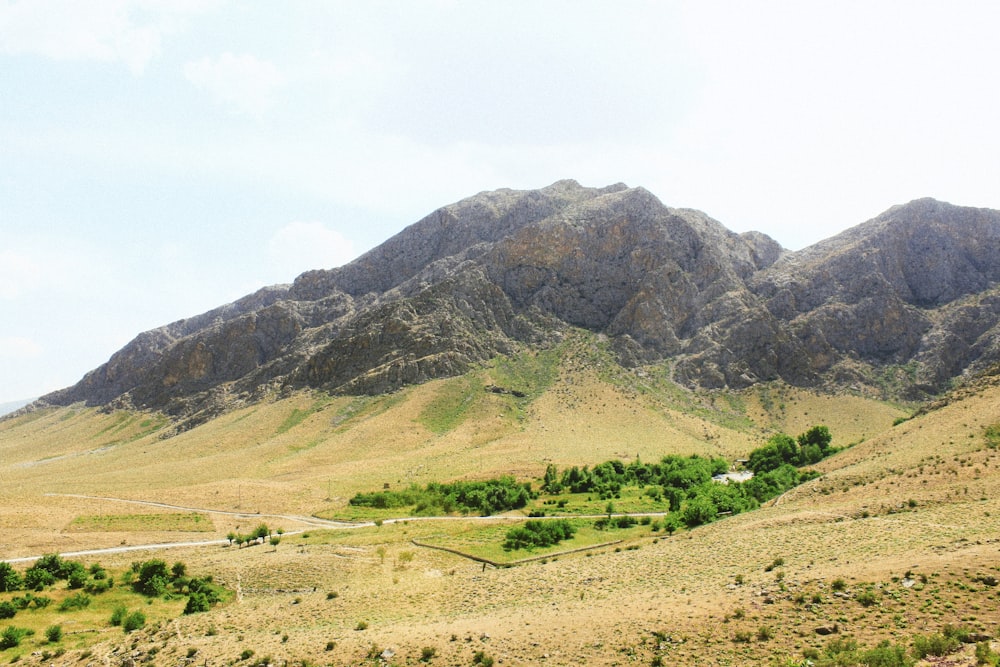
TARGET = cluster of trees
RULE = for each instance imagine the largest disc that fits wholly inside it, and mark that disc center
(538, 534)
(151, 578)
(607, 479)
(49, 569)
(260, 535)
(810, 447)
(685, 483)
(486, 497)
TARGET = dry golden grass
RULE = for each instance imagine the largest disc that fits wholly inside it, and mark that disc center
(918, 497)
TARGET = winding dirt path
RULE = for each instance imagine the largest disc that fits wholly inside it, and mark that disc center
(307, 520)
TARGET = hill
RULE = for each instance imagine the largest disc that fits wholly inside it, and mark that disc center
(900, 504)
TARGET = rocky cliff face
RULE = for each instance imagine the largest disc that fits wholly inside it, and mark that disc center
(915, 291)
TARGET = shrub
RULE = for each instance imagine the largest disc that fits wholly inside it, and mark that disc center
(936, 645)
(152, 578)
(480, 658)
(198, 602)
(362, 625)
(698, 511)
(538, 534)
(10, 580)
(764, 633)
(838, 585)
(12, 636)
(118, 615)
(985, 655)
(7, 610)
(53, 634)
(76, 601)
(134, 621)
(427, 653)
(53, 564)
(866, 598)
(37, 579)
(77, 578)
(886, 655)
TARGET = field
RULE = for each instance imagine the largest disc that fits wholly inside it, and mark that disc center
(897, 539)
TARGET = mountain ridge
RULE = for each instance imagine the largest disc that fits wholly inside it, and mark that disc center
(911, 293)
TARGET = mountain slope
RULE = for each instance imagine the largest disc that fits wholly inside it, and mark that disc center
(902, 303)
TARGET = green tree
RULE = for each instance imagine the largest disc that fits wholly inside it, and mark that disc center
(37, 579)
(133, 621)
(152, 578)
(198, 602)
(698, 511)
(7, 609)
(550, 483)
(10, 580)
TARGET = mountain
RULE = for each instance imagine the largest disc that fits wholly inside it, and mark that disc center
(7, 408)
(899, 305)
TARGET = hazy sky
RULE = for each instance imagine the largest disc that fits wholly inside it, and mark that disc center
(162, 157)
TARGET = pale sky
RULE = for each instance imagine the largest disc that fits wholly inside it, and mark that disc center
(159, 158)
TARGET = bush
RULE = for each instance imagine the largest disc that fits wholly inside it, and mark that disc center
(986, 655)
(866, 598)
(37, 579)
(936, 645)
(538, 534)
(53, 634)
(134, 621)
(76, 601)
(12, 636)
(427, 653)
(10, 580)
(152, 578)
(198, 602)
(118, 615)
(7, 610)
(886, 655)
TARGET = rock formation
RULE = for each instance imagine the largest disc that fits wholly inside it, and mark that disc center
(913, 294)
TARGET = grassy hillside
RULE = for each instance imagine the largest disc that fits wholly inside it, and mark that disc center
(894, 541)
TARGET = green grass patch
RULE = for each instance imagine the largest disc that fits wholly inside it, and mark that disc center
(90, 622)
(453, 403)
(992, 436)
(530, 373)
(300, 415)
(488, 541)
(190, 522)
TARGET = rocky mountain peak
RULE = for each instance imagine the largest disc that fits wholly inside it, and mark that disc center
(915, 287)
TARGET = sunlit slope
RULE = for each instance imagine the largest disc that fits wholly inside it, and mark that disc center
(308, 453)
(915, 498)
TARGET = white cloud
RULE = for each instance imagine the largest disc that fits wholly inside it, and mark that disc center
(302, 246)
(19, 347)
(241, 82)
(128, 31)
